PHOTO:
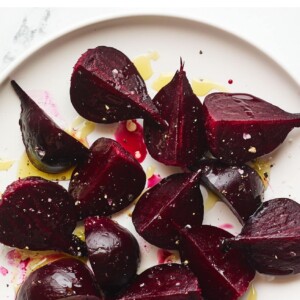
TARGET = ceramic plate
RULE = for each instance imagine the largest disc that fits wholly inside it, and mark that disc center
(210, 54)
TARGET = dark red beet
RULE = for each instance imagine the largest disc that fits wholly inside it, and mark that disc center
(106, 87)
(113, 252)
(175, 200)
(107, 181)
(38, 214)
(221, 275)
(49, 148)
(163, 282)
(271, 237)
(183, 142)
(61, 279)
(240, 187)
(81, 297)
(241, 127)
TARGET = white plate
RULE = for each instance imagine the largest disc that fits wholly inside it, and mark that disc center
(224, 57)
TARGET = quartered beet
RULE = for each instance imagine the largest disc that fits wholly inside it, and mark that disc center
(38, 214)
(221, 275)
(176, 200)
(240, 187)
(106, 87)
(241, 127)
(271, 237)
(67, 278)
(113, 252)
(183, 142)
(49, 148)
(108, 180)
(163, 282)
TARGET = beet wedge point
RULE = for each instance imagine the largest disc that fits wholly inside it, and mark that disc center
(242, 127)
(174, 202)
(271, 237)
(49, 148)
(183, 142)
(106, 87)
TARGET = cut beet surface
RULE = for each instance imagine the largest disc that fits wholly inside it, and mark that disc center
(183, 142)
(38, 214)
(106, 87)
(271, 237)
(113, 252)
(175, 200)
(242, 127)
(240, 187)
(163, 282)
(221, 275)
(49, 148)
(67, 278)
(107, 181)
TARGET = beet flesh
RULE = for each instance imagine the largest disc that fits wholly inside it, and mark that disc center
(240, 187)
(221, 275)
(183, 142)
(49, 148)
(106, 87)
(108, 180)
(242, 127)
(271, 237)
(38, 214)
(113, 252)
(67, 278)
(163, 282)
(174, 202)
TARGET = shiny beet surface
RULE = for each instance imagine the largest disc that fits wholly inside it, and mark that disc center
(163, 282)
(49, 148)
(61, 279)
(113, 252)
(183, 141)
(241, 127)
(107, 181)
(176, 200)
(81, 297)
(221, 275)
(106, 87)
(38, 214)
(240, 187)
(271, 237)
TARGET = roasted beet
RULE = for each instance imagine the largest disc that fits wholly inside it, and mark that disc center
(49, 148)
(106, 87)
(240, 187)
(113, 252)
(81, 297)
(107, 181)
(241, 127)
(38, 214)
(175, 200)
(163, 282)
(221, 275)
(271, 237)
(183, 142)
(64, 278)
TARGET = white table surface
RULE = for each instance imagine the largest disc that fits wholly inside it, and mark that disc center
(274, 30)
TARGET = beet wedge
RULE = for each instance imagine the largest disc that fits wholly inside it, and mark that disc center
(183, 142)
(66, 278)
(242, 127)
(108, 180)
(113, 252)
(106, 87)
(271, 237)
(49, 148)
(175, 200)
(38, 214)
(221, 275)
(240, 187)
(163, 282)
